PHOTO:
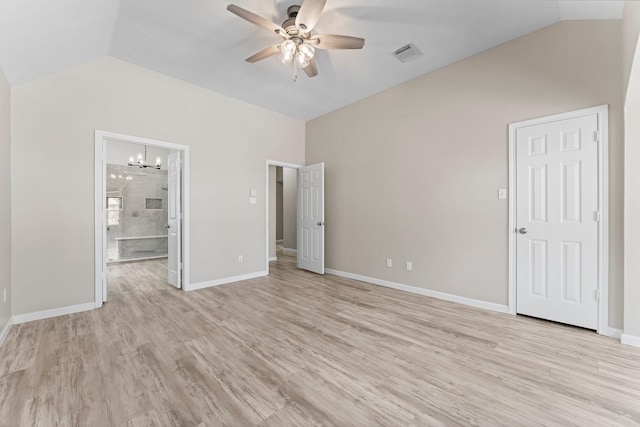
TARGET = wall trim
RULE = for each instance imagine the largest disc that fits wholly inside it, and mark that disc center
(54, 312)
(273, 258)
(225, 280)
(288, 251)
(631, 340)
(500, 308)
(611, 332)
(5, 331)
(602, 112)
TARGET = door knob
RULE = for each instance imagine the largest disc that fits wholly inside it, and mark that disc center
(320, 223)
(108, 228)
(523, 231)
(167, 226)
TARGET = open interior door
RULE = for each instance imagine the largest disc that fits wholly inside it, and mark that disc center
(174, 223)
(311, 218)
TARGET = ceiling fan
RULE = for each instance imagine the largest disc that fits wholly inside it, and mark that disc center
(299, 44)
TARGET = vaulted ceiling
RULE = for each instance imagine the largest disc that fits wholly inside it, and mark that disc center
(201, 42)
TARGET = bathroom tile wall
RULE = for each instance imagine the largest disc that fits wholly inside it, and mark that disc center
(135, 185)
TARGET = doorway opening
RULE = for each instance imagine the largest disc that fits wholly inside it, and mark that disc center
(281, 204)
(302, 215)
(137, 208)
(282, 212)
(141, 221)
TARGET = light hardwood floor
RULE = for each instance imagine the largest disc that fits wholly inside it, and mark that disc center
(298, 349)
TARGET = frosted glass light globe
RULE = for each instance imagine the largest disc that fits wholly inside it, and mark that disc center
(307, 50)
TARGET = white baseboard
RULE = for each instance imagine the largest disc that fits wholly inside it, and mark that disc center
(5, 331)
(55, 312)
(292, 252)
(421, 291)
(611, 332)
(224, 281)
(273, 258)
(631, 340)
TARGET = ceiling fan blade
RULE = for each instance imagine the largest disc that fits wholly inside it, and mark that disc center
(309, 13)
(334, 41)
(312, 68)
(264, 53)
(255, 19)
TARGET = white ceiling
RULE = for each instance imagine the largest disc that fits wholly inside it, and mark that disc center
(199, 41)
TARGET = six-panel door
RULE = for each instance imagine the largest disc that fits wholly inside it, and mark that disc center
(556, 221)
(311, 218)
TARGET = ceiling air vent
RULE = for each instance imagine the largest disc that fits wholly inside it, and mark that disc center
(407, 52)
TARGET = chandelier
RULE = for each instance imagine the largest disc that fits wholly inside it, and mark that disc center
(142, 162)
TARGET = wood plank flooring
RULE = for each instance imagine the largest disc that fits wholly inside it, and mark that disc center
(297, 349)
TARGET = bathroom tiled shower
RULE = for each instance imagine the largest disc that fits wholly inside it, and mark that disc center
(136, 213)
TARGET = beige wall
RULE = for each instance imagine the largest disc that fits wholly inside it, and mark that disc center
(441, 141)
(54, 119)
(630, 30)
(289, 220)
(631, 25)
(632, 209)
(5, 200)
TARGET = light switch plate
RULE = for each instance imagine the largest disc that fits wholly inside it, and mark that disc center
(409, 265)
(389, 262)
(502, 193)
(253, 193)
(253, 200)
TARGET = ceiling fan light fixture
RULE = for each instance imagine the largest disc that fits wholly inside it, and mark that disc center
(299, 43)
(302, 59)
(307, 50)
(285, 58)
(288, 47)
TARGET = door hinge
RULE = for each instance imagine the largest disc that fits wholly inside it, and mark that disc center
(596, 216)
(596, 295)
(596, 136)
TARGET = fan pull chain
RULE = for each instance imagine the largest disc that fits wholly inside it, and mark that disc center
(295, 70)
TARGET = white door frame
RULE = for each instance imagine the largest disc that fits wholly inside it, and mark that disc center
(284, 165)
(603, 208)
(100, 192)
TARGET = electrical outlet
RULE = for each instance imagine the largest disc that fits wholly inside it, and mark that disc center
(240, 259)
(4, 298)
(389, 262)
(409, 265)
(502, 193)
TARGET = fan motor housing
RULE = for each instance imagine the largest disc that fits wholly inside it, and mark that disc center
(292, 13)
